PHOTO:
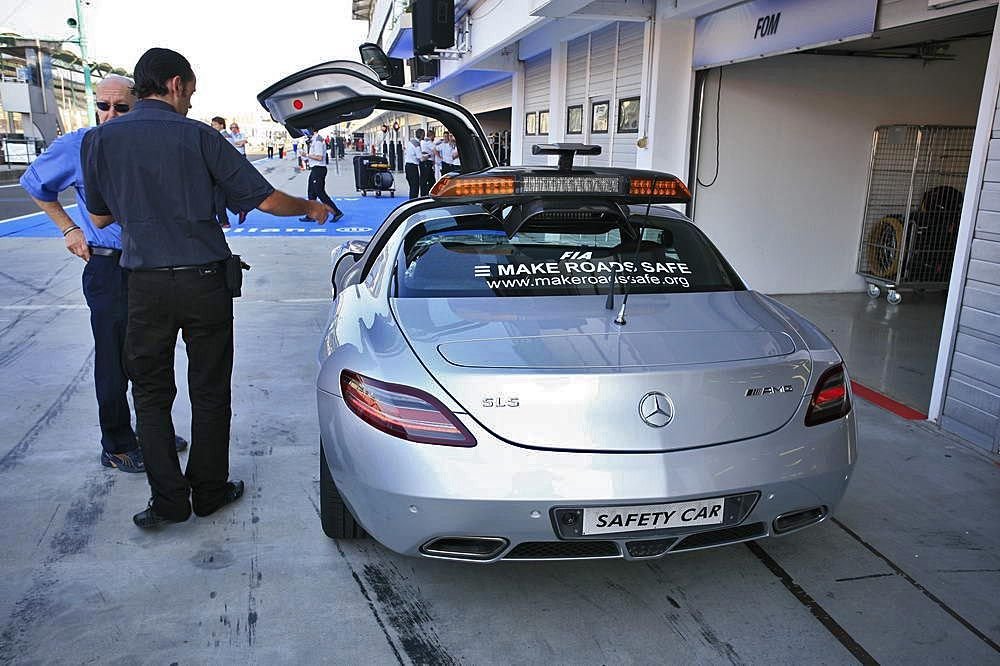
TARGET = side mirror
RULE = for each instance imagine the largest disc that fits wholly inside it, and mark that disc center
(373, 56)
(342, 259)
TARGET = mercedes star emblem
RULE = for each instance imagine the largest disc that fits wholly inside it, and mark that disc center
(656, 409)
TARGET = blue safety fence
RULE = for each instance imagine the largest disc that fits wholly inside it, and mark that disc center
(362, 216)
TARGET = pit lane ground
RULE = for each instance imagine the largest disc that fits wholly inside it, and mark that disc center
(907, 572)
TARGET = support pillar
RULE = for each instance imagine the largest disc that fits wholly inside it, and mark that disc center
(668, 96)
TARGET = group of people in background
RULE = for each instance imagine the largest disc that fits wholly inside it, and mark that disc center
(426, 158)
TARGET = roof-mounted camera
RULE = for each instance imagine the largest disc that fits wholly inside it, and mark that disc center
(565, 151)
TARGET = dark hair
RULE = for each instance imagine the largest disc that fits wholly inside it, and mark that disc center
(156, 67)
(420, 133)
(220, 120)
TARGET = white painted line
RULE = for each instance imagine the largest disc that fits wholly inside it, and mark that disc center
(74, 306)
(11, 185)
(303, 300)
(21, 217)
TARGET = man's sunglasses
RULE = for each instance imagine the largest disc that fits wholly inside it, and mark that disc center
(106, 106)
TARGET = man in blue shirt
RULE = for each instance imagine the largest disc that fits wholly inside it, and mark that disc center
(154, 171)
(104, 282)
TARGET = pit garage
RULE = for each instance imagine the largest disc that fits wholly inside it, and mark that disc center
(867, 143)
(492, 106)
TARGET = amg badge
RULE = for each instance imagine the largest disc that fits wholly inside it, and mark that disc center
(768, 390)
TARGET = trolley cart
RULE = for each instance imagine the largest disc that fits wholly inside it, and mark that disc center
(913, 207)
(371, 174)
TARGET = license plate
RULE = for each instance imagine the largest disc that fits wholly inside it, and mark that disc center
(606, 520)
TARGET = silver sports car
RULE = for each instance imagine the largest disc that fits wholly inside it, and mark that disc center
(548, 363)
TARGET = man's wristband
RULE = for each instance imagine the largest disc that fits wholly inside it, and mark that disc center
(67, 230)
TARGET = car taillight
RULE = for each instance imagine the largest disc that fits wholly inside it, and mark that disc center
(403, 412)
(830, 400)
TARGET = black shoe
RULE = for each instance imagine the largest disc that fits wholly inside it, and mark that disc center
(336, 216)
(149, 518)
(305, 219)
(180, 443)
(234, 491)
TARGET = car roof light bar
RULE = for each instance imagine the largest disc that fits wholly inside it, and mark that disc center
(645, 187)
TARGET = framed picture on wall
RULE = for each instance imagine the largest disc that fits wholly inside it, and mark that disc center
(628, 115)
(599, 117)
(543, 122)
(574, 119)
(530, 126)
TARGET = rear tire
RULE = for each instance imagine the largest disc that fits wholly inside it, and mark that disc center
(338, 522)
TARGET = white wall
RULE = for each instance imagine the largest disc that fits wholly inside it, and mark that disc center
(796, 133)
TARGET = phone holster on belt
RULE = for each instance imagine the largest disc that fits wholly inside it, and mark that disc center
(234, 275)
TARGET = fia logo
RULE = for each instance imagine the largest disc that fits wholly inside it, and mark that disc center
(577, 255)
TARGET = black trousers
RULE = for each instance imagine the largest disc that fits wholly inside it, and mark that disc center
(196, 303)
(317, 187)
(270, 152)
(426, 177)
(413, 178)
(105, 286)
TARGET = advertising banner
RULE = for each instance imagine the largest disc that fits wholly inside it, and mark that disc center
(768, 27)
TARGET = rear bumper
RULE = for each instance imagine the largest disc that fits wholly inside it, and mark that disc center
(407, 494)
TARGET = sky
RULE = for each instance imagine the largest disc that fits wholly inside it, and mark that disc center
(235, 49)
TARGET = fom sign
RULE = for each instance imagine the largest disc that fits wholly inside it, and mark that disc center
(768, 27)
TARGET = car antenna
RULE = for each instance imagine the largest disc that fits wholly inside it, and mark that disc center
(620, 319)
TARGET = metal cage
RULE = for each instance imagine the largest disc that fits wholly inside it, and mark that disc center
(913, 206)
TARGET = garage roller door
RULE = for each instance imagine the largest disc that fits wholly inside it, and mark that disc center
(488, 98)
(536, 98)
(605, 67)
(628, 83)
(603, 47)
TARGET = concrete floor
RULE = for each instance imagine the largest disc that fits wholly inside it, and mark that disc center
(889, 348)
(907, 573)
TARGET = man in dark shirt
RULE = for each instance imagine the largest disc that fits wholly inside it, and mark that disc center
(175, 251)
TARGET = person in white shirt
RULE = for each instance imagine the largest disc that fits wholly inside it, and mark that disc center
(427, 152)
(315, 151)
(237, 139)
(456, 163)
(411, 165)
(447, 153)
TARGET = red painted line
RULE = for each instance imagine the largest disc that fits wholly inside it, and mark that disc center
(885, 402)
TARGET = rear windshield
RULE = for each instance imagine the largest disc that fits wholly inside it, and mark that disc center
(471, 255)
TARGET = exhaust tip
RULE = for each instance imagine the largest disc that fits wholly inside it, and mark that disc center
(465, 548)
(795, 520)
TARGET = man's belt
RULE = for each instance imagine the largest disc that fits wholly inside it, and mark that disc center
(215, 265)
(105, 251)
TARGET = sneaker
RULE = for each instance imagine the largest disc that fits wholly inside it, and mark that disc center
(148, 518)
(336, 216)
(234, 491)
(180, 443)
(305, 219)
(130, 461)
